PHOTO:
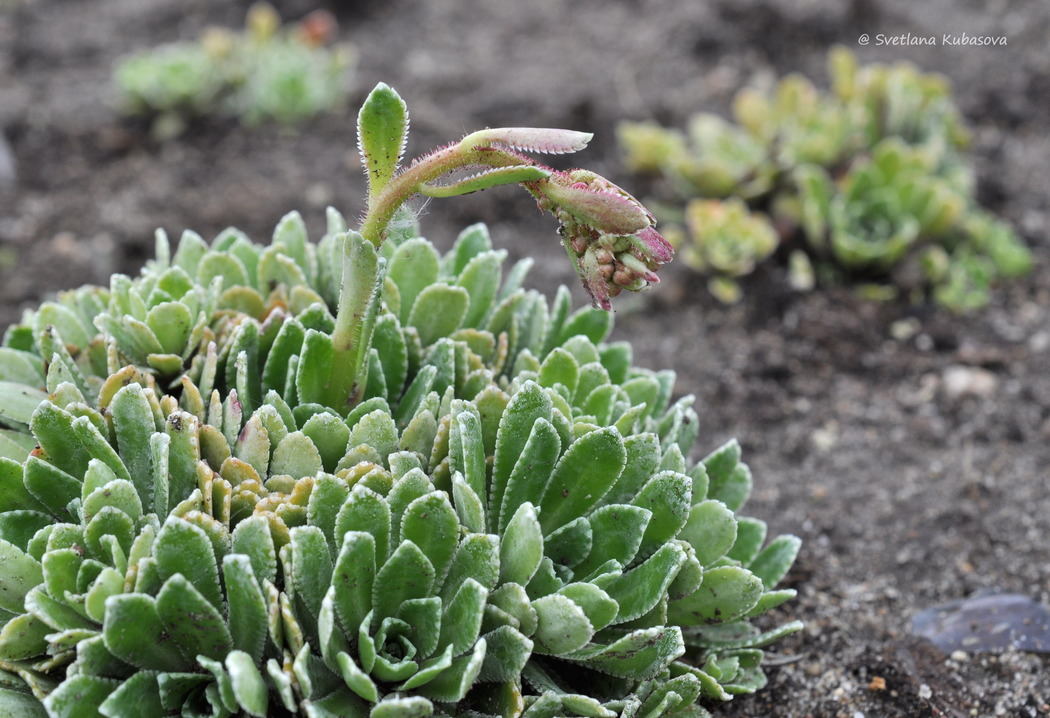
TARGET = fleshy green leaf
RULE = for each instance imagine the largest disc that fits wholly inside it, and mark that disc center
(570, 544)
(563, 626)
(521, 547)
(667, 495)
(139, 695)
(253, 539)
(453, 683)
(773, 562)
(526, 406)
(183, 548)
(462, 620)
(727, 593)
(247, 607)
(641, 588)
(353, 578)
(730, 480)
(249, 688)
(406, 574)
(586, 471)
(507, 653)
(18, 401)
(135, 633)
(640, 655)
(478, 558)
(430, 523)
(296, 456)
(312, 566)
(413, 267)
(439, 310)
(532, 470)
(192, 621)
(367, 511)
(617, 531)
(21, 573)
(22, 637)
(79, 696)
(711, 529)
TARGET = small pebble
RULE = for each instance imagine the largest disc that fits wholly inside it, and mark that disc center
(986, 623)
(962, 381)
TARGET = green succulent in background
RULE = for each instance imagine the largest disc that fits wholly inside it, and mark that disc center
(897, 100)
(869, 180)
(715, 158)
(891, 212)
(880, 209)
(360, 478)
(796, 125)
(725, 238)
(265, 73)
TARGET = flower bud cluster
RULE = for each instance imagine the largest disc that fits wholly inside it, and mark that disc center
(607, 232)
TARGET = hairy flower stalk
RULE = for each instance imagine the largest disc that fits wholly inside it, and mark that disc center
(327, 479)
(608, 234)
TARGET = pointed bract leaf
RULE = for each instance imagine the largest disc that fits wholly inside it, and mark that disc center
(531, 139)
(382, 130)
(485, 180)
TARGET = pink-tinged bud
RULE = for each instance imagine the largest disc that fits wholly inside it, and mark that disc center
(652, 245)
(607, 211)
(637, 267)
(623, 278)
(593, 281)
(607, 232)
(318, 28)
(530, 139)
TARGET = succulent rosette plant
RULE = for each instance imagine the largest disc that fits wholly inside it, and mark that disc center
(265, 73)
(359, 478)
(723, 236)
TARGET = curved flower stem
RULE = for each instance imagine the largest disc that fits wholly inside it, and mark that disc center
(361, 292)
(606, 232)
(415, 177)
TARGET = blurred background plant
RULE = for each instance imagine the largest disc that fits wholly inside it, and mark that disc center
(267, 72)
(867, 183)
